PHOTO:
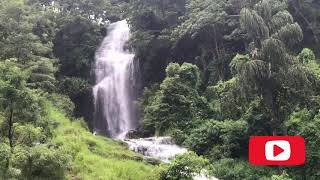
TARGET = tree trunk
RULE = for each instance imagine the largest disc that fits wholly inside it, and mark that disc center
(10, 130)
(269, 99)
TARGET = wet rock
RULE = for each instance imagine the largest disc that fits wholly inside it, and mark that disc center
(152, 161)
(133, 134)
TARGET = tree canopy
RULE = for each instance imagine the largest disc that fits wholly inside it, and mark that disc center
(212, 73)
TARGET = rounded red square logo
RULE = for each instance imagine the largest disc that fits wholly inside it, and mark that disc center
(277, 150)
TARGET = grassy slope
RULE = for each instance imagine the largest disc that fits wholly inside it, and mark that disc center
(96, 157)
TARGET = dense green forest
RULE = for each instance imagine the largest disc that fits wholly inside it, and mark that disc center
(212, 74)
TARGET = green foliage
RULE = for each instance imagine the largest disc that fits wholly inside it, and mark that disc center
(41, 162)
(18, 102)
(96, 10)
(240, 169)
(63, 102)
(291, 34)
(172, 69)
(17, 37)
(151, 23)
(306, 13)
(226, 100)
(254, 24)
(199, 15)
(258, 118)
(306, 123)
(145, 12)
(283, 176)
(190, 74)
(271, 68)
(75, 45)
(217, 139)
(204, 34)
(165, 108)
(4, 158)
(149, 95)
(73, 86)
(280, 19)
(25, 128)
(27, 134)
(237, 63)
(43, 75)
(306, 56)
(48, 48)
(186, 166)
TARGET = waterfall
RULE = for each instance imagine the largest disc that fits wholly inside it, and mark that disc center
(114, 95)
(113, 92)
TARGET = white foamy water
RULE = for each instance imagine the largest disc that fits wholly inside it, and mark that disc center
(113, 70)
(163, 148)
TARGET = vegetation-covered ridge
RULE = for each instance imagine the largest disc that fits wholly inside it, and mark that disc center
(96, 157)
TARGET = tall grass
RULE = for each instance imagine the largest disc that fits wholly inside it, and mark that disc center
(96, 157)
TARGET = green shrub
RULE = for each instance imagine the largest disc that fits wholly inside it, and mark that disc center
(218, 139)
(283, 176)
(306, 56)
(62, 102)
(185, 167)
(4, 159)
(226, 169)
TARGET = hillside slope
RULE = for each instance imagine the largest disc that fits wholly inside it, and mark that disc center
(96, 157)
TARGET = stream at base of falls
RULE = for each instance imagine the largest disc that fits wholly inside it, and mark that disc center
(163, 148)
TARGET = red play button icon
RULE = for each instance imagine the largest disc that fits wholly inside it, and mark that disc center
(277, 150)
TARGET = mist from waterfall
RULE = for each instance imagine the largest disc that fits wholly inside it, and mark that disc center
(114, 68)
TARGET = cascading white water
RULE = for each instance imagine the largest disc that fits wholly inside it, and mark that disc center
(113, 98)
(163, 148)
(112, 92)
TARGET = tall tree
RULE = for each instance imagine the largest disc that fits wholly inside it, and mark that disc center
(151, 23)
(165, 110)
(18, 102)
(208, 36)
(17, 39)
(272, 71)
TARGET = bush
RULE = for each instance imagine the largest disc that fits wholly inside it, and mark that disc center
(218, 139)
(239, 169)
(4, 159)
(306, 123)
(73, 86)
(62, 102)
(186, 166)
(165, 107)
(283, 176)
(306, 56)
(41, 162)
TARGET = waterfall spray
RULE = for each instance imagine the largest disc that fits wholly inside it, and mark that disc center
(114, 108)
